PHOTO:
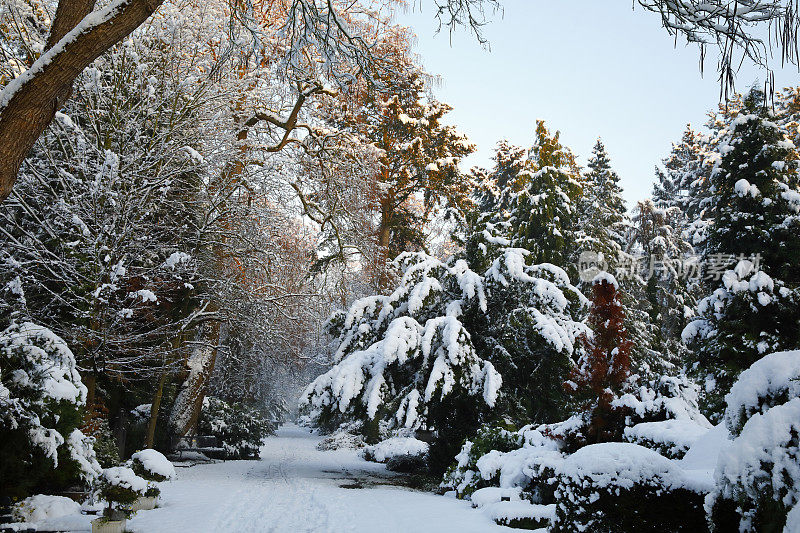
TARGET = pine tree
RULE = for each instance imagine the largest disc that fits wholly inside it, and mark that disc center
(669, 288)
(602, 372)
(487, 225)
(603, 220)
(755, 194)
(683, 183)
(755, 308)
(543, 208)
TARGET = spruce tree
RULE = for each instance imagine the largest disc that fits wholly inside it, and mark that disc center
(603, 220)
(754, 308)
(668, 286)
(543, 207)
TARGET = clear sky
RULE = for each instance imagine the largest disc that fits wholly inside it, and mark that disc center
(588, 67)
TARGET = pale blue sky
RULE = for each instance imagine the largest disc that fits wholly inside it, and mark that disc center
(588, 67)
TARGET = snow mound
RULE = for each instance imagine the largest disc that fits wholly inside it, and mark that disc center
(623, 465)
(122, 476)
(155, 463)
(43, 507)
(489, 495)
(671, 438)
(340, 440)
(396, 447)
(773, 377)
(518, 467)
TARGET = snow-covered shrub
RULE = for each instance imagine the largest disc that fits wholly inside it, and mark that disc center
(758, 476)
(612, 487)
(524, 460)
(662, 398)
(670, 438)
(463, 475)
(751, 315)
(240, 429)
(770, 381)
(341, 439)
(152, 465)
(120, 487)
(395, 447)
(41, 399)
(44, 507)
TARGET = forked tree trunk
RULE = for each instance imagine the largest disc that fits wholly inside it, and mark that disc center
(29, 102)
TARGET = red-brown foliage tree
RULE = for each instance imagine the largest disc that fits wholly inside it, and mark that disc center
(602, 372)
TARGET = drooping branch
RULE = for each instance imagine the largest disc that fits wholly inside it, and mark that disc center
(733, 26)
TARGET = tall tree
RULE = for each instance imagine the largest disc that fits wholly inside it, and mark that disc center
(543, 201)
(417, 173)
(669, 281)
(755, 307)
(603, 220)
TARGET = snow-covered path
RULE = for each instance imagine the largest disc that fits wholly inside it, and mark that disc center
(296, 488)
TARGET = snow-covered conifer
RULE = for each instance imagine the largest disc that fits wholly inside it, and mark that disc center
(755, 309)
(41, 398)
(602, 372)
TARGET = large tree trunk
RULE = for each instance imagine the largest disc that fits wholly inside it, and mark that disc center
(200, 367)
(29, 102)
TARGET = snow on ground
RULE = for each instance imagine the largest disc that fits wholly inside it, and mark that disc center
(297, 488)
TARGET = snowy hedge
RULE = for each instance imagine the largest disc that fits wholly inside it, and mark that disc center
(524, 460)
(670, 438)
(43, 507)
(41, 401)
(612, 487)
(395, 447)
(758, 472)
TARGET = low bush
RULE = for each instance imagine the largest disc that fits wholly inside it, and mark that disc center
(613, 487)
(770, 381)
(757, 475)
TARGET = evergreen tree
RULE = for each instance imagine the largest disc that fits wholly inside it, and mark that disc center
(683, 183)
(41, 403)
(668, 287)
(755, 194)
(487, 225)
(603, 220)
(433, 354)
(755, 308)
(543, 207)
(528, 202)
(602, 373)
(417, 171)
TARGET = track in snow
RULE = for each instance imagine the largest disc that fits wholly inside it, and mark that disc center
(296, 488)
